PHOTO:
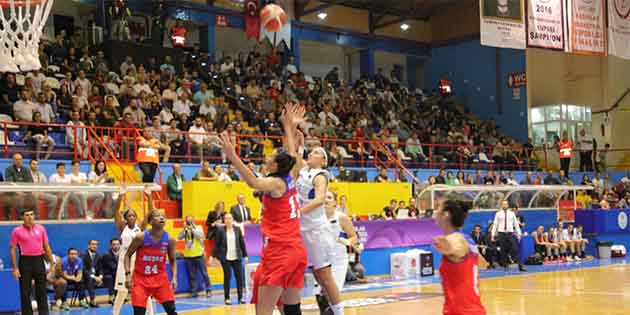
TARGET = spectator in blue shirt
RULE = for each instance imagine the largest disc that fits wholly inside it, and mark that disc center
(72, 268)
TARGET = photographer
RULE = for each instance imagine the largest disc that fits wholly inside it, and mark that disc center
(194, 254)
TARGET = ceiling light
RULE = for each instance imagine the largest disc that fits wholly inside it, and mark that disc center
(404, 26)
(322, 15)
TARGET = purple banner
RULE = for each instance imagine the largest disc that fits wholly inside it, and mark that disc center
(372, 234)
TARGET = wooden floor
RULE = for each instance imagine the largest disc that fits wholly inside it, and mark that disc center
(597, 290)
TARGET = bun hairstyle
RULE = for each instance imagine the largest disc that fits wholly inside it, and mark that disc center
(285, 163)
(457, 210)
(127, 212)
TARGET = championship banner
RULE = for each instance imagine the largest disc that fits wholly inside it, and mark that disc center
(545, 24)
(372, 234)
(619, 28)
(502, 23)
(587, 27)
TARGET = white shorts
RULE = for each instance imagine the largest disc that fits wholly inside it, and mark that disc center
(320, 247)
(339, 270)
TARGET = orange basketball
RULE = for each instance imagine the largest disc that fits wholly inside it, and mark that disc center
(272, 17)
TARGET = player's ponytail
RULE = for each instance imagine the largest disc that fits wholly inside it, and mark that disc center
(457, 210)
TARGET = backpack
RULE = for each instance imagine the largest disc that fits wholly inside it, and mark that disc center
(535, 259)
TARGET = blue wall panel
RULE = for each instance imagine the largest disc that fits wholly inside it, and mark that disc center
(472, 69)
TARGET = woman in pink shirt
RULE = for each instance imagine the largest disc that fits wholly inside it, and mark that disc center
(32, 241)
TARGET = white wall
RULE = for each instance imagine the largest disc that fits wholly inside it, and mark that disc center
(231, 41)
(317, 59)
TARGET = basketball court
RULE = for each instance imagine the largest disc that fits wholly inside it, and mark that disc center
(589, 287)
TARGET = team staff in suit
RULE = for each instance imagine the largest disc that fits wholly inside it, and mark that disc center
(240, 212)
(482, 241)
(504, 228)
(109, 265)
(230, 250)
(92, 272)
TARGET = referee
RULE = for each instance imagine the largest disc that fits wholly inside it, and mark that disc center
(507, 232)
(32, 240)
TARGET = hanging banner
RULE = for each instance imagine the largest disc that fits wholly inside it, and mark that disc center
(545, 24)
(502, 23)
(587, 27)
(619, 28)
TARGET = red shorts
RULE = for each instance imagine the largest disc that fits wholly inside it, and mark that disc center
(160, 290)
(282, 265)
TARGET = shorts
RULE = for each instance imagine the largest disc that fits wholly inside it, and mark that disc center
(320, 246)
(281, 265)
(161, 291)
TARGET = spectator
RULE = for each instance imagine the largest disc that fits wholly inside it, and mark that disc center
(563, 179)
(76, 134)
(175, 183)
(109, 265)
(441, 178)
(45, 109)
(82, 198)
(16, 173)
(127, 66)
(602, 159)
(598, 184)
(148, 155)
(99, 175)
(450, 179)
(205, 173)
(24, 108)
(240, 212)
(232, 173)
(215, 219)
(92, 272)
(37, 134)
(60, 177)
(231, 251)
(565, 148)
(482, 245)
(54, 278)
(196, 137)
(550, 179)
(585, 144)
(194, 254)
(388, 211)
(138, 116)
(39, 178)
(528, 180)
(222, 176)
(382, 176)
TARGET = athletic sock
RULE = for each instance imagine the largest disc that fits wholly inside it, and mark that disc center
(337, 309)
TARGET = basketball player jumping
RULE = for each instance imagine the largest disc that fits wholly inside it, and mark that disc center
(149, 274)
(345, 235)
(128, 227)
(283, 259)
(312, 185)
(459, 268)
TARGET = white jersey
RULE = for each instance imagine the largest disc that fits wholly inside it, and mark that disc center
(306, 193)
(341, 252)
(565, 236)
(126, 237)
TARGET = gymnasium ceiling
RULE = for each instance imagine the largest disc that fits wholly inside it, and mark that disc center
(404, 9)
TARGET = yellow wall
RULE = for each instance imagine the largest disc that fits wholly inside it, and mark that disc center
(363, 198)
(596, 81)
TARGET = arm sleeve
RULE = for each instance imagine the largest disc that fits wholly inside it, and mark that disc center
(517, 226)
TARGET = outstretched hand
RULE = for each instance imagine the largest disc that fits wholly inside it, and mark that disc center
(227, 145)
(293, 114)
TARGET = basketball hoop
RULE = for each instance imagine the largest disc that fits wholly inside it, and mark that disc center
(21, 26)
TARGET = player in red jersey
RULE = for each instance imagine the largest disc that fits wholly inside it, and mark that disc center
(149, 273)
(283, 259)
(459, 268)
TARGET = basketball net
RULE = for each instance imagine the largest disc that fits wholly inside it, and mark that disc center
(22, 23)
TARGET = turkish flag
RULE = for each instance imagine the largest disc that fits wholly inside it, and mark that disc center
(252, 20)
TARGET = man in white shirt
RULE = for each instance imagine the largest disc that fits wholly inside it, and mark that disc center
(327, 113)
(126, 66)
(137, 114)
(60, 177)
(240, 211)
(182, 105)
(39, 178)
(506, 231)
(208, 110)
(142, 85)
(48, 115)
(38, 80)
(81, 198)
(290, 68)
(76, 128)
(585, 143)
(24, 108)
(197, 137)
(227, 65)
(84, 83)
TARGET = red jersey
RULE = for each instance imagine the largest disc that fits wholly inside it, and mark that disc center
(281, 216)
(460, 282)
(150, 267)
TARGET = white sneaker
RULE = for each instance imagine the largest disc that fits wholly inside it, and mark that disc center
(58, 304)
(577, 258)
(569, 258)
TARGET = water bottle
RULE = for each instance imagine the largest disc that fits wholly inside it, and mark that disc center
(1, 264)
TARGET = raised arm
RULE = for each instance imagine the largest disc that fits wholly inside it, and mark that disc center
(454, 246)
(268, 184)
(292, 116)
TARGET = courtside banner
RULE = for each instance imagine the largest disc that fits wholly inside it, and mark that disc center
(619, 28)
(502, 23)
(545, 24)
(587, 27)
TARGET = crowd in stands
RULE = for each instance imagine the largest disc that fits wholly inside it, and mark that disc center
(243, 94)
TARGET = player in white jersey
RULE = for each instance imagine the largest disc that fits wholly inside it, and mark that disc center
(126, 224)
(580, 242)
(345, 235)
(312, 185)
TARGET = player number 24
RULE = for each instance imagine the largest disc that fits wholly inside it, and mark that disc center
(149, 270)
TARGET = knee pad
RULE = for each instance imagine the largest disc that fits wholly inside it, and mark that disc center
(169, 307)
(293, 309)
